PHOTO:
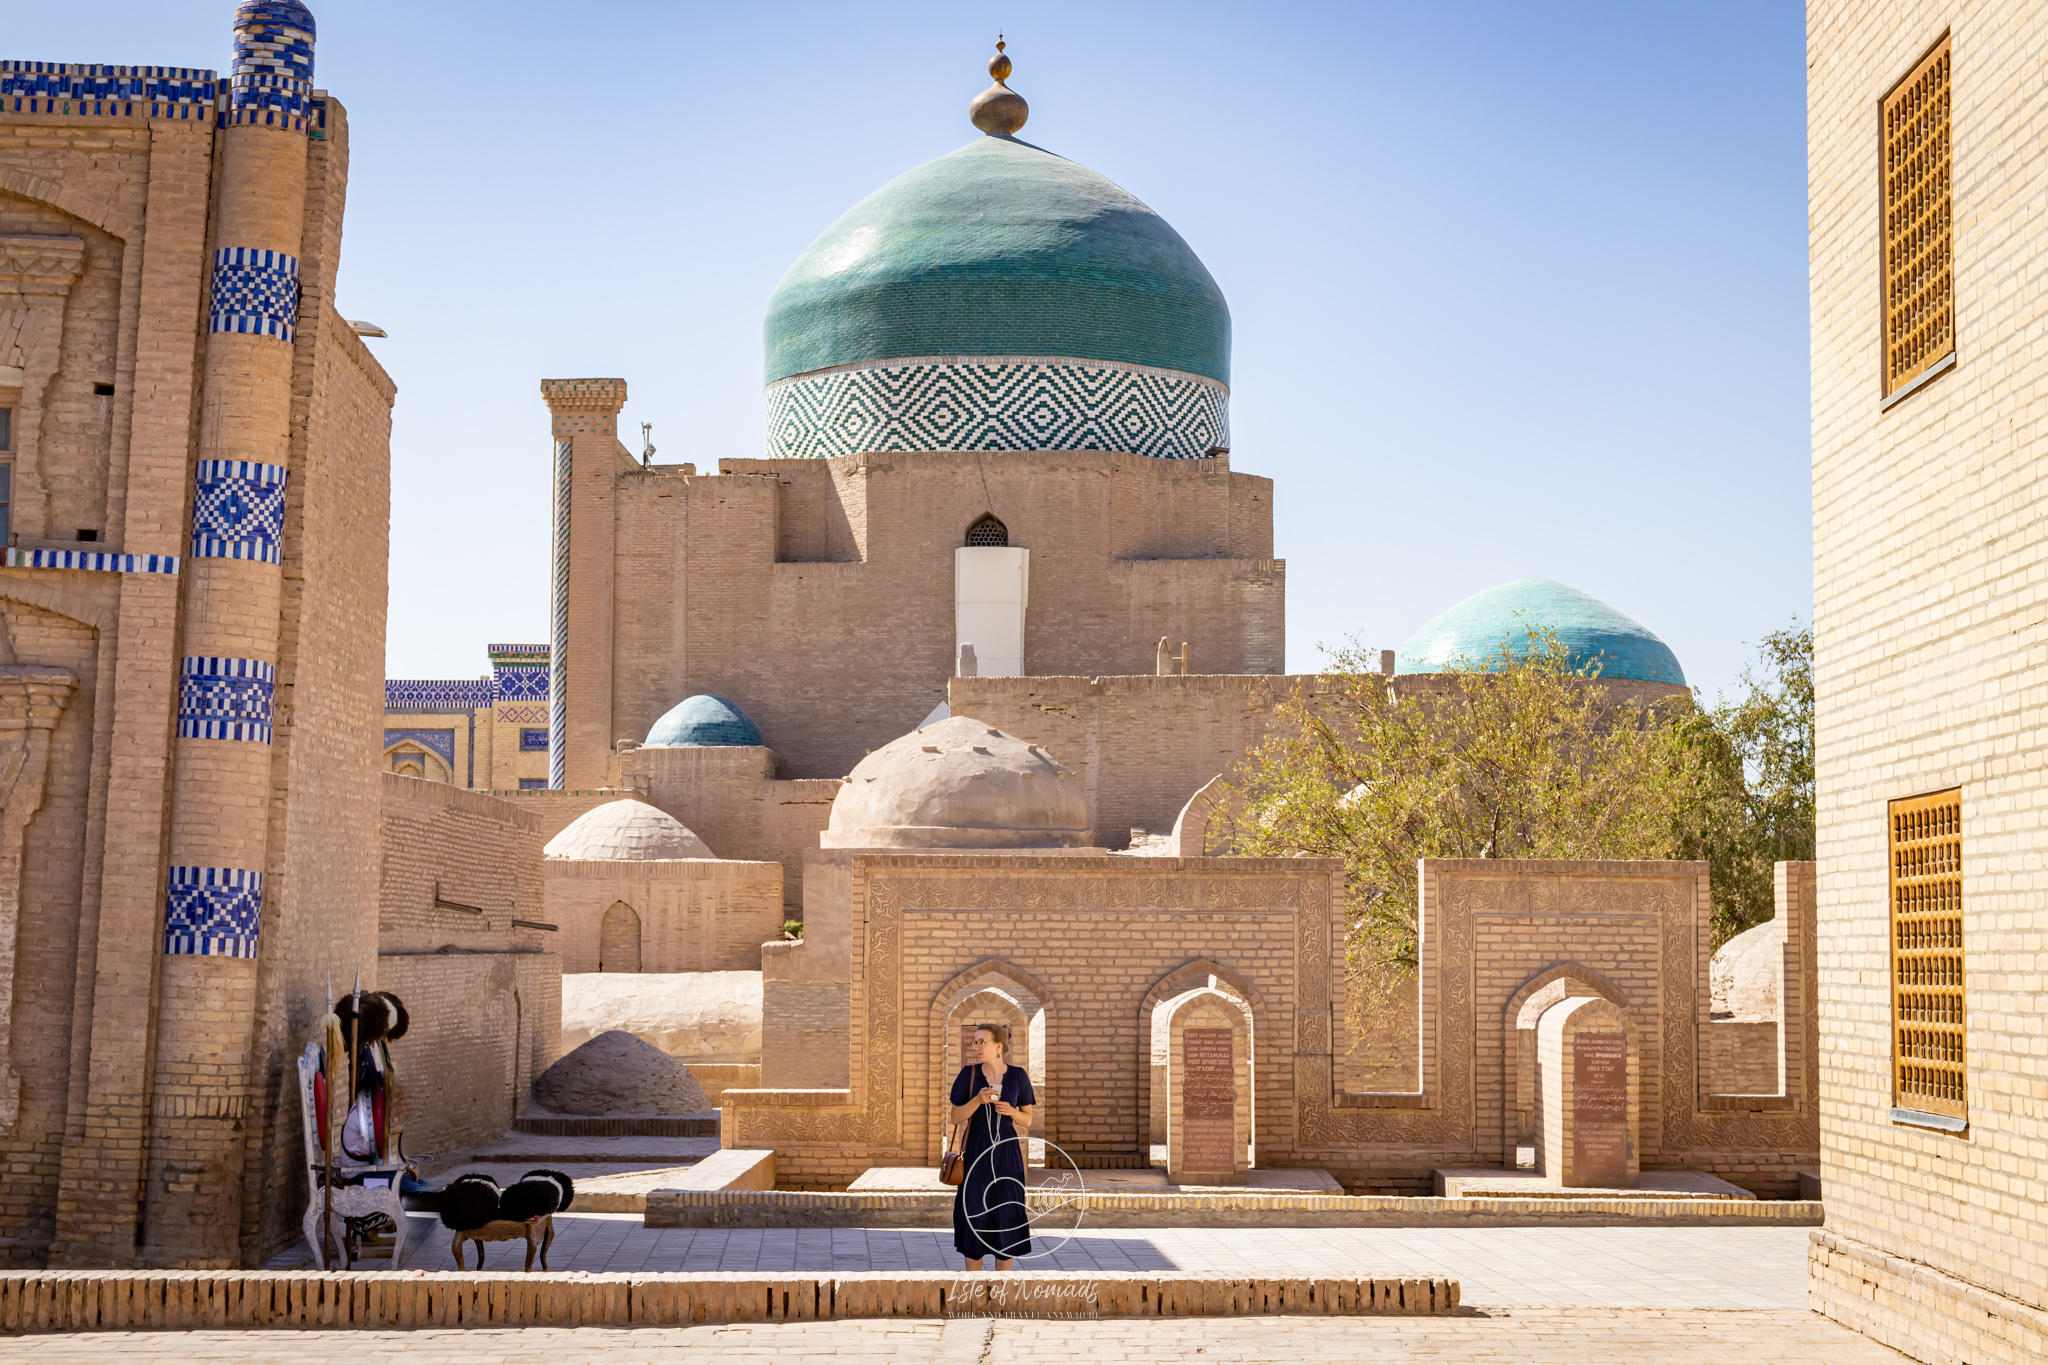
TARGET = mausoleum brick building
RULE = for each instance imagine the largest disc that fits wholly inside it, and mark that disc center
(1930, 537)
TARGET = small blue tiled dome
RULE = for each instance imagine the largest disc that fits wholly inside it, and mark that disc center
(707, 720)
(1474, 631)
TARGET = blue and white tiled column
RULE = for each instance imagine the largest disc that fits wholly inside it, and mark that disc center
(219, 880)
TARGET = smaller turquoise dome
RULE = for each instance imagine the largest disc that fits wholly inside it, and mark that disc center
(707, 720)
(1473, 632)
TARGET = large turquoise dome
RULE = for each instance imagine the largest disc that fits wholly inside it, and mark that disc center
(998, 298)
(999, 249)
(1474, 630)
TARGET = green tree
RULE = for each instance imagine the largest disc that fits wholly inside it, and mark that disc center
(1767, 730)
(1523, 755)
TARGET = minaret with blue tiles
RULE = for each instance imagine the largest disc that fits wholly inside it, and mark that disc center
(201, 1105)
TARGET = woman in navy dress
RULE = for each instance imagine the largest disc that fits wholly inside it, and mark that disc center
(992, 1104)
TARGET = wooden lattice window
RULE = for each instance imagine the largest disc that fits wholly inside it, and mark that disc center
(1919, 235)
(1927, 954)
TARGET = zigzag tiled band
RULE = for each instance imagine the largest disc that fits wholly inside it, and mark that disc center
(238, 510)
(998, 403)
(254, 292)
(213, 912)
(226, 699)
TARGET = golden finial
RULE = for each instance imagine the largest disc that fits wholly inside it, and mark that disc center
(999, 110)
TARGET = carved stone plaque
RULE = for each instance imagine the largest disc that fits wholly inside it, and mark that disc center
(1599, 1109)
(1208, 1100)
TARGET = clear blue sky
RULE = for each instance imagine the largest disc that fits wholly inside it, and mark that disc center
(1517, 288)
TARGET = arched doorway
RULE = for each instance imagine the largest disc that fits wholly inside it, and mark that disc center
(618, 939)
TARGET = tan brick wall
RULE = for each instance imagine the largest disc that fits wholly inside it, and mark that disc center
(466, 850)
(818, 594)
(1928, 544)
(732, 800)
(484, 1026)
(696, 915)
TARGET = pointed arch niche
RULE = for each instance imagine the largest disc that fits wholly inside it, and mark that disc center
(1154, 1018)
(991, 992)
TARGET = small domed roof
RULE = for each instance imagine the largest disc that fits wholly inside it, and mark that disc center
(958, 783)
(1475, 629)
(707, 720)
(999, 249)
(625, 831)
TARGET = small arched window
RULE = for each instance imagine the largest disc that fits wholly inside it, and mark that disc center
(988, 531)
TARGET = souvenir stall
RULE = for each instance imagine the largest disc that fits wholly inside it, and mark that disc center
(354, 1113)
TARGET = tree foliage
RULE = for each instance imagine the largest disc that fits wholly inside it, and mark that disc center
(1768, 732)
(1523, 755)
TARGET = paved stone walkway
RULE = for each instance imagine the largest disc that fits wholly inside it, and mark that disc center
(1520, 1267)
(1509, 1337)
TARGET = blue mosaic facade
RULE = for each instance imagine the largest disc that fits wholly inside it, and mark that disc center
(213, 912)
(95, 562)
(272, 81)
(417, 694)
(520, 682)
(440, 742)
(48, 83)
(226, 699)
(997, 404)
(255, 292)
(533, 741)
(238, 510)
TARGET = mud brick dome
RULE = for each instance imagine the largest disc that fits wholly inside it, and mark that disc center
(1000, 297)
(1475, 630)
(958, 784)
(625, 831)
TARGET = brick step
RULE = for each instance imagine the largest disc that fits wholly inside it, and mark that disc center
(637, 1125)
(181, 1301)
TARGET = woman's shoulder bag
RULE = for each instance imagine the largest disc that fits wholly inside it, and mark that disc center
(952, 1162)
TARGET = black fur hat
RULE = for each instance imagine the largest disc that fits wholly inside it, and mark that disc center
(400, 1020)
(470, 1201)
(567, 1185)
(537, 1194)
(374, 1017)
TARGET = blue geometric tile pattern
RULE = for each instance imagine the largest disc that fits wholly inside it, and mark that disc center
(418, 694)
(441, 742)
(226, 699)
(82, 559)
(273, 71)
(238, 510)
(533, 741)
(997, 404)
(254, 292)
(92, 81)
(1476, 630)
(213, 912)
(520, 682)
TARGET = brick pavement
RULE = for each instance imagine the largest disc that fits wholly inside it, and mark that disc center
(1505, 1337)
(1636, 1267)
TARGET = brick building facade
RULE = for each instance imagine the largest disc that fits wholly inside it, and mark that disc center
(1925, 172)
